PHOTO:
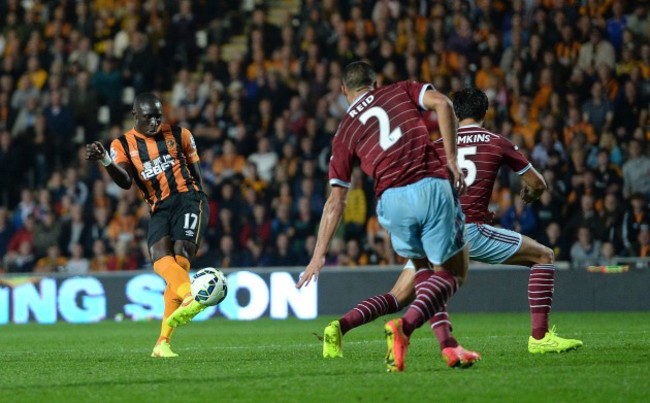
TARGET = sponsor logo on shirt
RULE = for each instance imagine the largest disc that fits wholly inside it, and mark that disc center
(156, 166)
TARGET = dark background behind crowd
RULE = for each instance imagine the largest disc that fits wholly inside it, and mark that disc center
(568, 81)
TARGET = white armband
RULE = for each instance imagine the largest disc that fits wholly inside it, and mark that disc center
(106, 159)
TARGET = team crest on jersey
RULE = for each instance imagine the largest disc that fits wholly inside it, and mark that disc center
(171, 144)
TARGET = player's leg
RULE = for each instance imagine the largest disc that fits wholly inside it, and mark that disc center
(366, 311)
(443, 240)
(441, 236)
(177, 280)
(453, 353)
(541, 284)
(172, 302)
(488, 245)
(188, 222)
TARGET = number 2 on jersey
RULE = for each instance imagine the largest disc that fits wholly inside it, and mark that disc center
(386, 137)
(467, 164)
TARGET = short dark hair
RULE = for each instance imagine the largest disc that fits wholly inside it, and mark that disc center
(145, 98)
(358, 75)
(470, 103)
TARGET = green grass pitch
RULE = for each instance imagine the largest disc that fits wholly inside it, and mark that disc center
(280, 361)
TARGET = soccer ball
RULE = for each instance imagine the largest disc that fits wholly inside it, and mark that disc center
(209, 286)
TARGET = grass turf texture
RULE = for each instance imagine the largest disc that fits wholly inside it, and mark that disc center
(280, 361)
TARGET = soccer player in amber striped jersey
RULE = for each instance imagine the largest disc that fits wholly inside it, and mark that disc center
(480, 154)
(163, 162)
(383, 129)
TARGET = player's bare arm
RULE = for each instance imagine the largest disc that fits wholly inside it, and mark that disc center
(434, 100)
(534, 185)
(195, 171)
(332, 213)
(119, 172)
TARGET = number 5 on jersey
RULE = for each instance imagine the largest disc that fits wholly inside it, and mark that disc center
(467, 164)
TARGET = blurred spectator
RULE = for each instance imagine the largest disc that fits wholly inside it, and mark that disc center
(84, 102)
(629, 112)
(585, 251)
(547, 210)
(10, 170)
(265, 159)
(596, 51)
(21, 260)
(607, 254)
(586, 217)
(616, 24)
(281, 255)
(336, 254)
(228, 255)
(611, 217)
(356, 208)
(554, 239)
(636, 170)
(520, 218)
(354, 255)
(107, 81)
(597, 111)
(77, 263)
(637, 22)
(47, 234)
(633, 219)
(256, 230)
(139, 64)
(52, 262)
(303, 225)
(5, 231)
(100, 258)
(23, 234)
(60, 127)
(84, 56)
(230, 163)
(642, 245)
(26, 118)
(76, 230)
(122, 260)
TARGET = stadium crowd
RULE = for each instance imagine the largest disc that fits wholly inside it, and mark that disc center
(568, 82)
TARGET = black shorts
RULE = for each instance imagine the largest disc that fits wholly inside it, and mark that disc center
(182, 216)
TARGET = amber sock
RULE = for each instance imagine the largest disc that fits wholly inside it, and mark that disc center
(183, 262)
(178, 280)
(171, 303)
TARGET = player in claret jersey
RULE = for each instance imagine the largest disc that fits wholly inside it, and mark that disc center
(163, 162)
(383, 129)
(481, 153)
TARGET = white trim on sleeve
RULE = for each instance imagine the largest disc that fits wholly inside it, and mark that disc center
(424, 89)
(526, 168)
(339, 182)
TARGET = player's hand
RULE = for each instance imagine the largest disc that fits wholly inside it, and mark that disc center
(457, 178)
(490, 217)
(95, 151)
(311, 272)
(526, 195)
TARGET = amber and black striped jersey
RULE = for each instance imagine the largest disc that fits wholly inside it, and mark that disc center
(159, 164)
